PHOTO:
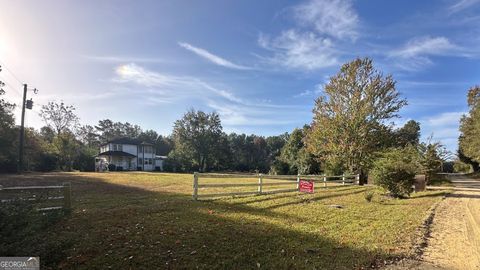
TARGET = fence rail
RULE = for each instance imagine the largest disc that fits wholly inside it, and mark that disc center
(292, 180)
(66, 197)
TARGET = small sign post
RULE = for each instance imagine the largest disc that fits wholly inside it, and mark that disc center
(306, 186)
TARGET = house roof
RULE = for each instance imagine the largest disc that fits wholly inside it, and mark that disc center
(116, 153)
(126, 140)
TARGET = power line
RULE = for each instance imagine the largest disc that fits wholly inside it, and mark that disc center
(13, 88)
(11, 72)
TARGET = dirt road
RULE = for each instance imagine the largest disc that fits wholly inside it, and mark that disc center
(454, 241)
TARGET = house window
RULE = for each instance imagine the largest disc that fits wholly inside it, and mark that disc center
(148, 161)
(140, 161)
(117, 147)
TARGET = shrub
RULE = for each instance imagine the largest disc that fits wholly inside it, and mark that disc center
(112, 167)
(395, 171)
(368, 195)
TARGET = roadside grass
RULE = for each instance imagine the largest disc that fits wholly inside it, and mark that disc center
(440, 180)
(138, 220)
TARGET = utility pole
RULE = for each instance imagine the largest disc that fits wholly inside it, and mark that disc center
(22, 130)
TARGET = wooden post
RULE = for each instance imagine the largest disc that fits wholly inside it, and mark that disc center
(195, 186)
(343, 179)
(260, 183)
(298, 181)
(67, 195)
(357, 179)
(325, 181)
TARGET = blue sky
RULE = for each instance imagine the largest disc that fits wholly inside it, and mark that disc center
(259, 64)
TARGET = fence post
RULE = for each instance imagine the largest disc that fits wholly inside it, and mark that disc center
(260, 183)
(343, 179)
(357, 179)
(195, 186)
(325, 181)
(67, 195)
(298, 181)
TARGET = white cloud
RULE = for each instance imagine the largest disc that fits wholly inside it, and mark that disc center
(167, 84)
(416, 53)
(251, 115)
(462, 5)
(321, 26)
(443, 127)
(311, 92)
(335, 18)
(134, 73)
(211, 57)
(300, 50)
(445, 119)
(159, 88)
(425, 46)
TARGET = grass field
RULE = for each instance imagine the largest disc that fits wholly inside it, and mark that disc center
(144, 220)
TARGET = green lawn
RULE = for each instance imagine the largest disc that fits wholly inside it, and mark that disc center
(148, 220)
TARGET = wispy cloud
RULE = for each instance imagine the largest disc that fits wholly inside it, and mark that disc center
(444, 127)
(300, 50)
(335, 18)
(444, 119)
(134, 73)
(212, 57)
(166, 88)
(321, 27)
(416, 53)
(425, 46)
(175, 85)
(311, 92)
(461, 5)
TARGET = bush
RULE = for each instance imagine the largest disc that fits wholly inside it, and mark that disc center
(112, 167)
(395, 171)
(368, 195)
(47, 162)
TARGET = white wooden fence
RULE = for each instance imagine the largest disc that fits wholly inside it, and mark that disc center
(290, 180)
(65, 197)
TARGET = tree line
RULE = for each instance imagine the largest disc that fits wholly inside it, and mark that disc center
(350, 132)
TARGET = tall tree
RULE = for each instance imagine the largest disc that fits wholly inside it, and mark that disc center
(196, 135)
(88, 135)
(296, 156)
(59, 116)
(108, 130)
(408, 134)
(356, 104)
(469, 140)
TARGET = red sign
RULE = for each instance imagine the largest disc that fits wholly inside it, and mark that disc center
(306, 186)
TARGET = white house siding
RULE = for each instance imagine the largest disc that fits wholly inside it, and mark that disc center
(131, 149)
(144, 156)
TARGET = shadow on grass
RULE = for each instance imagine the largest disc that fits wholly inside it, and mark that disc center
(137, 229)
(428, 194)
(464, 195)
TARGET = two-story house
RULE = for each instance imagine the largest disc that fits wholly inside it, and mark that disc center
(130, 154)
